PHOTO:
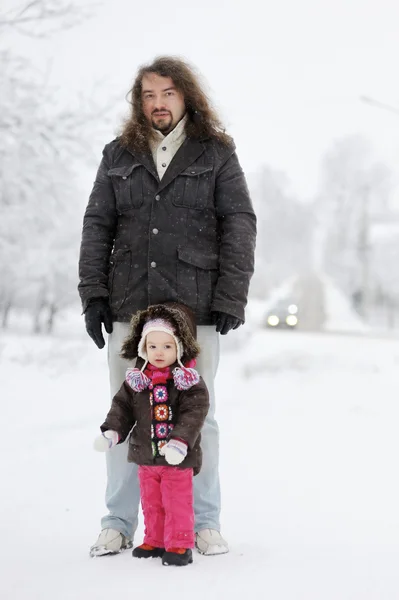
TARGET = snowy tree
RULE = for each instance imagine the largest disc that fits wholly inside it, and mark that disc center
(354, 188)
(284, 231)
(40, 18)
(42, 142)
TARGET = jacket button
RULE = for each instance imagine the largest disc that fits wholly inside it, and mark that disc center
(155, 231)
(164, 148)
(124, 177)
(164, 164)
(157, 197)
(153, 264)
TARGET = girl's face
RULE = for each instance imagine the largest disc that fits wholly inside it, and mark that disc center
(161, 349)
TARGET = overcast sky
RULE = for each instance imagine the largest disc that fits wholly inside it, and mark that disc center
(286, 75)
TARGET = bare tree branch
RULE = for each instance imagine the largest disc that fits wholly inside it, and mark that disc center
(36, 18)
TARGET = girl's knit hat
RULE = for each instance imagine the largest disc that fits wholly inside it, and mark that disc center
(158, 325)
(176, 320)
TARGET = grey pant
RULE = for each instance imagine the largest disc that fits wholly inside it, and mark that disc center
(123, 494)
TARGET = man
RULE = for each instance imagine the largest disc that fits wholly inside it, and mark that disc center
(169, 219)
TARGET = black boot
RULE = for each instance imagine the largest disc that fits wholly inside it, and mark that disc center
(177, 560)
(143, 551)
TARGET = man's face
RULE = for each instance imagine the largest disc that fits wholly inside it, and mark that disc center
(163, 104)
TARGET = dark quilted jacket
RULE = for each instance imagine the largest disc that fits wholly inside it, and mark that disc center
(188, 238)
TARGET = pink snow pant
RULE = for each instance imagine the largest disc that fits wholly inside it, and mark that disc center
(167, 503)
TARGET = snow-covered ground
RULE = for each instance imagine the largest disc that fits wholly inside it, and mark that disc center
(309, 472)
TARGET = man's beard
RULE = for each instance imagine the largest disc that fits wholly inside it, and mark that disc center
(163, 125)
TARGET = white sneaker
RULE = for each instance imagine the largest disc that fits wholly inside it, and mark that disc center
(210, 542)
(110, 541)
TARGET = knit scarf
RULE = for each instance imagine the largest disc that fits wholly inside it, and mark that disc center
(184, 377)
(157, 375)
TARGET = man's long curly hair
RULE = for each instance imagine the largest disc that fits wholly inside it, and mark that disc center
(202, 121)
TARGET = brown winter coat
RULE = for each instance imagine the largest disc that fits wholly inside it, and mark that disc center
(189, 407)
(188, 238)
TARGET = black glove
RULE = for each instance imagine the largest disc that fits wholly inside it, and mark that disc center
(98, 312)
(224, 322)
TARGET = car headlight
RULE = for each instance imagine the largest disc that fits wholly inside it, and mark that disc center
(273, 320)
(291, 320)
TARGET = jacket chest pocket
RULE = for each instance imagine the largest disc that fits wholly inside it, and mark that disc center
(192, 187)
(128, 186)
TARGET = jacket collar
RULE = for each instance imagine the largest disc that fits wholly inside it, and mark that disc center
(188, 152)
(145, 158)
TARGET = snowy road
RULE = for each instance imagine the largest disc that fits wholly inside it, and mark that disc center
(308, 291)
(309, 470)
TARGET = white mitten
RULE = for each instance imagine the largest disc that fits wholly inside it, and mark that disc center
(175, 451)
(106, 441)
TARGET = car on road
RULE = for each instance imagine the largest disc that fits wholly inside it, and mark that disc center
(283, 315)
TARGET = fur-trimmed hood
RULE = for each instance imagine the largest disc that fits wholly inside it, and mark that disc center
(180, 316)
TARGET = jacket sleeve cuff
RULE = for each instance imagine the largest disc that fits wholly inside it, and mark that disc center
(179, 439)
(104, 427)
(230, 308)
(86, 301)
